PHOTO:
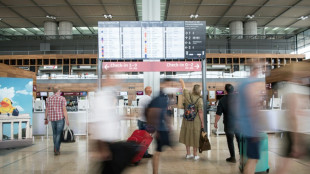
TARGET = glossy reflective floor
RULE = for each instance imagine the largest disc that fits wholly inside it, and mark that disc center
(74, 158)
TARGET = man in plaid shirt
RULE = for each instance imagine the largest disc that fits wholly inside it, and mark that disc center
(56, 112)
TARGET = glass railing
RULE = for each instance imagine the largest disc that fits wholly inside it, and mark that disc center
(220, 51)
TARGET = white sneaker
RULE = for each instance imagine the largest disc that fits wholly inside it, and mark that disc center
(196, 158)
(189, 156)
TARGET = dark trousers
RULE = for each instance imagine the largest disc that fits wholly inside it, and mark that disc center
(230, 142)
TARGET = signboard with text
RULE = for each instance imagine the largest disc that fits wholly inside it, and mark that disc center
(152, 66)
(151, 39)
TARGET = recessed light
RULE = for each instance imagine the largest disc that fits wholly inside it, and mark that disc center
(275, 28)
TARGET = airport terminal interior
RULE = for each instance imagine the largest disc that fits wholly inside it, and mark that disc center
(104, 54)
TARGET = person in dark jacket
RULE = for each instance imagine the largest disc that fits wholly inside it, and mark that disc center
(225, 107)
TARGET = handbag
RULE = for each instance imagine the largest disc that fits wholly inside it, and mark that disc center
(67, 135)
(204, 143)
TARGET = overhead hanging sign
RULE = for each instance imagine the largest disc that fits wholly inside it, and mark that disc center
(152, 66)
(151, 39)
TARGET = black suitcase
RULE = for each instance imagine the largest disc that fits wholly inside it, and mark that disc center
(67, 136)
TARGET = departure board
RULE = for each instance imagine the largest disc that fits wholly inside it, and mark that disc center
(151, 39)
(109, 40)
(131, 39)
(174, 34)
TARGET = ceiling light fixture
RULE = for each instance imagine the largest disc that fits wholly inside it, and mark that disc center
(108, 16)
(303, 17)
(250, 16)
(0, 19)
(51, 17)
(275, 28)
(194, 16)
(286, 28)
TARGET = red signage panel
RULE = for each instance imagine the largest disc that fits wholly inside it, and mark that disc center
(71, 93)
(152, 66)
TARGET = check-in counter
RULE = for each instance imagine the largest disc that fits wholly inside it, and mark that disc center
(77, 123)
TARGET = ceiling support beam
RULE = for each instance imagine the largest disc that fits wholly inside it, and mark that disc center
(167, 10)
(296, 22)
(77, 28)
(18, 14)
(136, 9)
(104, 9)
(219, 20)
(196, 11)
(283, 12)
(74, 11)
(256, 10)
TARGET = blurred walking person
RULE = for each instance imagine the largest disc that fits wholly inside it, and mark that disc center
(110, 155)
(156, 115)
(294, 124)
(248, 106)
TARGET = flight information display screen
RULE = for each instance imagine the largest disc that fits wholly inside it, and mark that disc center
(151, 39)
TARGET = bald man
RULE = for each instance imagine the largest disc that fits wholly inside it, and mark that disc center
(143, 103)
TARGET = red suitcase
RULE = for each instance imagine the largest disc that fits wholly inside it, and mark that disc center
(144, 139)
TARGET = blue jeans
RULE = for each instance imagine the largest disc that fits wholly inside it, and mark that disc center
(141, 126)
(58, 127)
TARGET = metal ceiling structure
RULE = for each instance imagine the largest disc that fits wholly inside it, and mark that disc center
(27, 17)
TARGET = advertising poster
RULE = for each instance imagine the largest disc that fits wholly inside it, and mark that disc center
(15, 108)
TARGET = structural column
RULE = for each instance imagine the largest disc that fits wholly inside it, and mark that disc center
(236, 28)
(1, 133)
(250, 28)
(27, 130)
(50, 29)
(20, 130)
(65, 29)
(151, 12)
(12, 130)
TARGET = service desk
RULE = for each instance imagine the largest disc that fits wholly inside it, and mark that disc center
(77, 121)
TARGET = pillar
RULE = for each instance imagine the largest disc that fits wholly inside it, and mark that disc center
(50, 28)
(151, 12)
(1, 133)
(236, 28)
(27, 129)
(65, 29)
(20, 130)
(12, 130)
(250, 28)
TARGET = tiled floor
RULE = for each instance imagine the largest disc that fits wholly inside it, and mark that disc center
(74, 158)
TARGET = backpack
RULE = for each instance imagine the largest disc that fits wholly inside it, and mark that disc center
(190, 111)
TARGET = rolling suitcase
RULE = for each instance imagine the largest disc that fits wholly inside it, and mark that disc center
(144, 139)
(262, 164)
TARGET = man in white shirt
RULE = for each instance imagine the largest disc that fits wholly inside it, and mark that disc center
(143, 103)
